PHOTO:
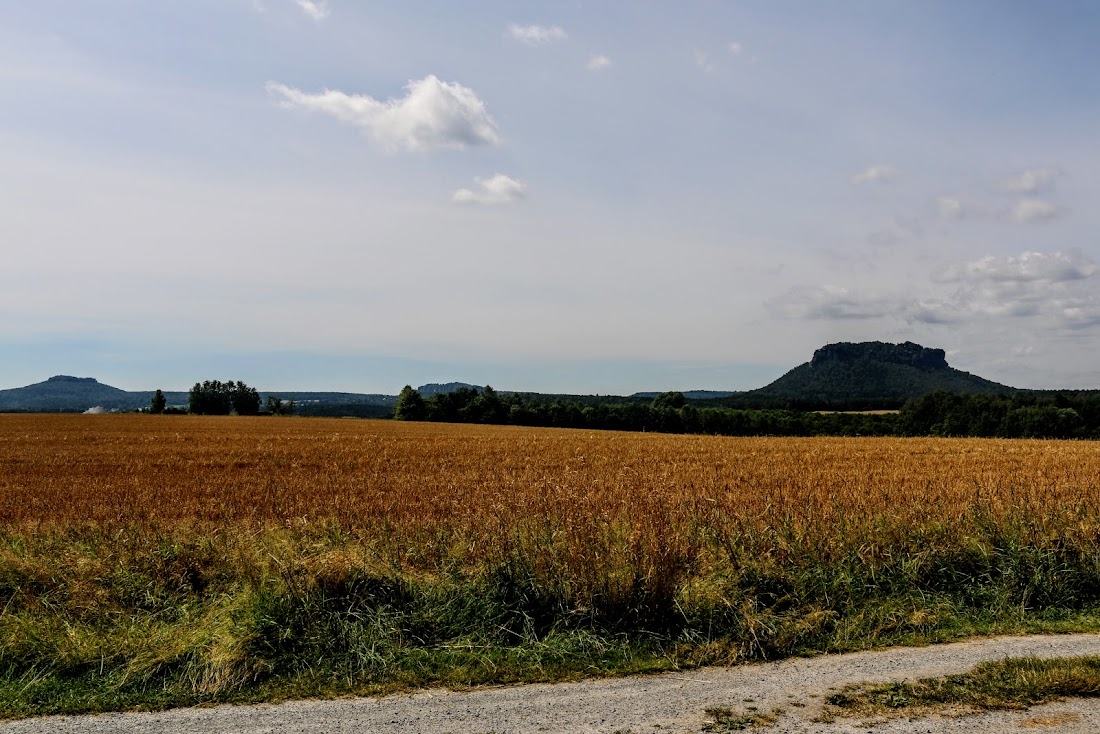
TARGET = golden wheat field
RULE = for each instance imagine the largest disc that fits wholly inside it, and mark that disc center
(474, 489)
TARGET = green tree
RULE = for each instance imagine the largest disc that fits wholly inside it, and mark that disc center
(410, 405)
(489, 407)
(671, 400)
(210, 397)
(245, 399)
(159, 402)
(278, 406)
(214, 397)
(689, 419)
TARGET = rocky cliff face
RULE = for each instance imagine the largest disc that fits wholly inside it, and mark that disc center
(907, 353)
(68, 379)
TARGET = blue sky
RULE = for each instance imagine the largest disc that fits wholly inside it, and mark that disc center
(574, 196)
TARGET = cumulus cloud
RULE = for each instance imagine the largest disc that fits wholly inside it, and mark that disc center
(499, 189)
(1031, 180)
(316, 9)
(1080, 314)
(1054, 285)
(1030, 266)
(433, 114)
(1050, 291)
(878, 173)
(598, 62)
(535, 35)
(1027, 211)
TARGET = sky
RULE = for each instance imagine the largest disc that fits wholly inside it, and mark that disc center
(582, 197)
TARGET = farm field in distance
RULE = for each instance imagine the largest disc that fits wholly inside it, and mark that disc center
(150, 561)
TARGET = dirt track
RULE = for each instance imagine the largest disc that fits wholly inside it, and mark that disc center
(663, 703)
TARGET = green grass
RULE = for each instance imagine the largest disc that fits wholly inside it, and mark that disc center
(95, 621)
(724, 719)
(1010, 684)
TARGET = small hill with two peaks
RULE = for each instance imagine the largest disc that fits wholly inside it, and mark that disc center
(866, 375)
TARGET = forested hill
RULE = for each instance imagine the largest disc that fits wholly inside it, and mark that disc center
(68, 394)
(865, 375)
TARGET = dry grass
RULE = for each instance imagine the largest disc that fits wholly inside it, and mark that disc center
(426, 483)
(1011, 684)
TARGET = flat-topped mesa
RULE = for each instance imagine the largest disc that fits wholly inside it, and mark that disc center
(907, 353)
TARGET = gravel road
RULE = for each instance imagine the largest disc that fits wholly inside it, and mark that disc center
(664, 703)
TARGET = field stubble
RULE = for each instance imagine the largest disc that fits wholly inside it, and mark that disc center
(151, 561)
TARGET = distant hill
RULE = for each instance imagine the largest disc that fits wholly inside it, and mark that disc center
(338, 404)
(691, 394)
(436, 388)
(866, 375)
(337, 398)
(63, 393)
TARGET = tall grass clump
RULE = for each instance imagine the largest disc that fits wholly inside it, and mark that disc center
(150, 561)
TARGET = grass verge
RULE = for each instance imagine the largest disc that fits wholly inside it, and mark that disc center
(96, 620)
(724, 719)
(1010, 684)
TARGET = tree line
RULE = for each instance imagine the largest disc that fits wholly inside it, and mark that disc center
(214, 397)
(1070, 414)
(1021, 415)
(667, 413)
(1024, 414)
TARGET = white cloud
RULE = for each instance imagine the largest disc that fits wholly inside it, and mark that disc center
(536, 35)
(316, 9)
(1080, 314)
(953, 209)
(1030, 266)
(878, 173)
(499, 189)
(1031, 180)
(735, 47)
(1053, 287)
(703, 62)
(433, 114)
(1027, 211)
(1050, 292)
(598, 62)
